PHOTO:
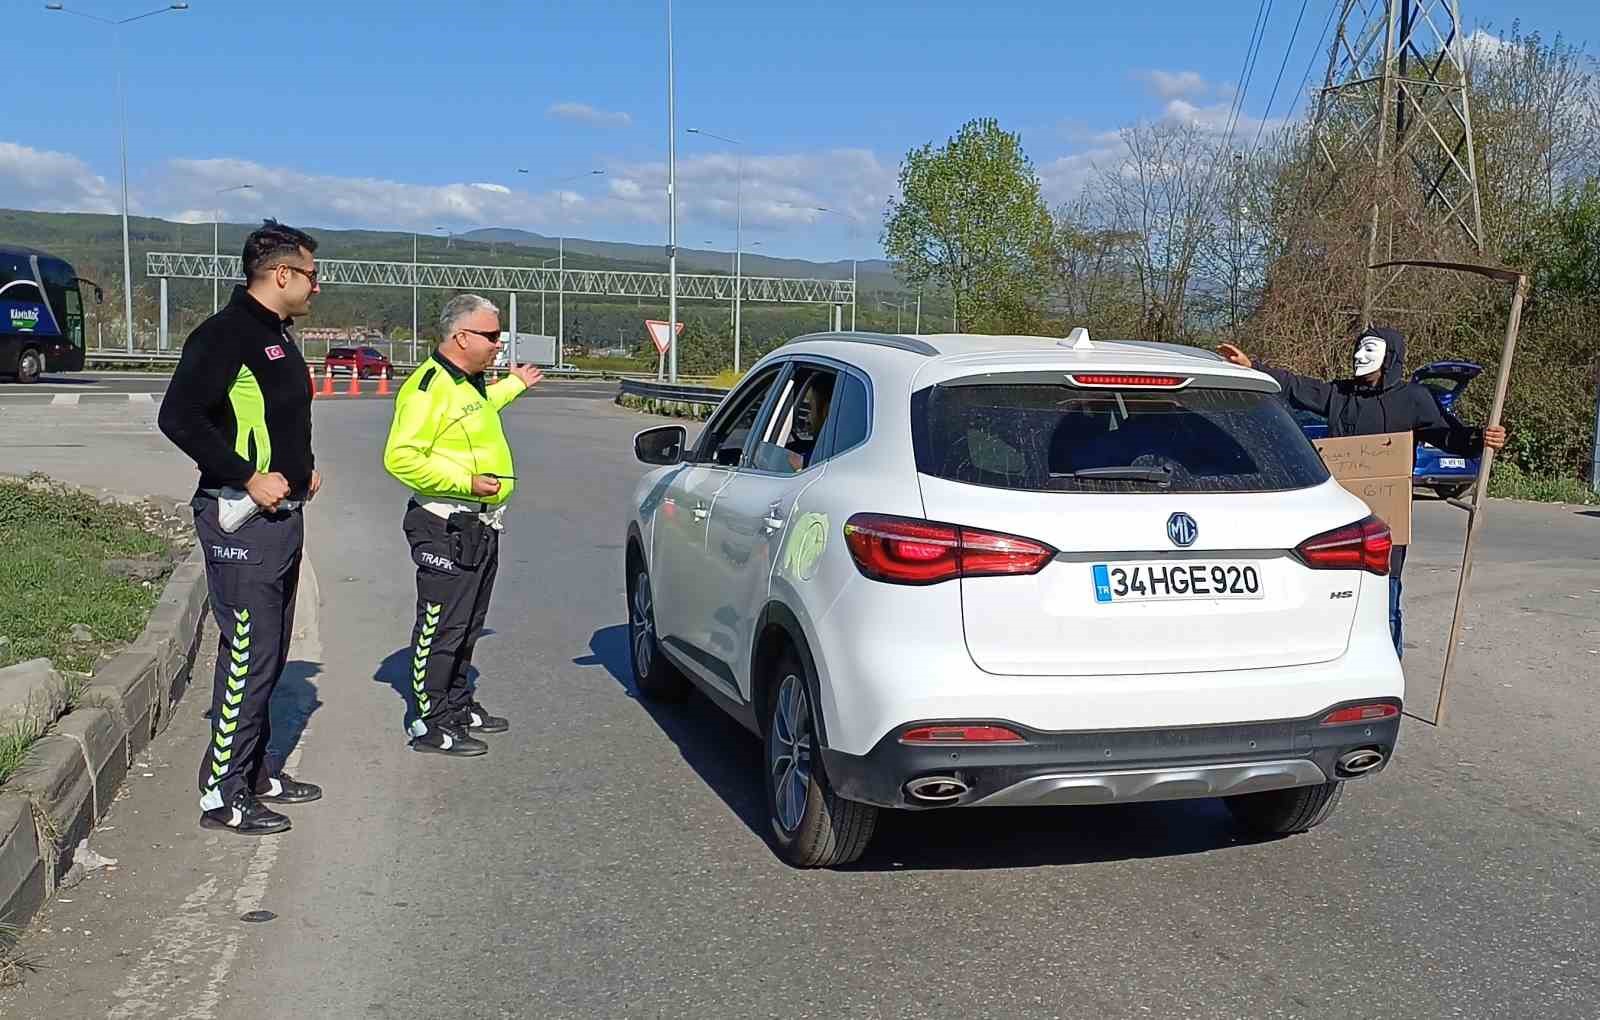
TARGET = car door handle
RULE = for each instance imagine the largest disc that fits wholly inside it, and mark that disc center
(774, 519)
(699, 511)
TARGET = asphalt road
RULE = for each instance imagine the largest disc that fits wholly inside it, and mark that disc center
(605, 859)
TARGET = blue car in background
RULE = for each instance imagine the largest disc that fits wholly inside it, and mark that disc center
(1444, 473)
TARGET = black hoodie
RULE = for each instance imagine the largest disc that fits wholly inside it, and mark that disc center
(1394, 405)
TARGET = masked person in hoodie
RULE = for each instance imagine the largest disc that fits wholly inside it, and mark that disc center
(1378, 399)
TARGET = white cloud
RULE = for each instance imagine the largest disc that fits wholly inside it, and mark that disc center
(781, 192)
(1485, 45)
(51, 182)
(1061, 179)
(583, 113)
(1214, 119)
(1172, 84)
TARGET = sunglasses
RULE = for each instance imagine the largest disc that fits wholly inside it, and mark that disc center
(309, 274)
(491, 335)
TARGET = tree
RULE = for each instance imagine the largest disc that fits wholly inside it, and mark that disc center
(1094, 278)
(1162, 193)
(970, 218)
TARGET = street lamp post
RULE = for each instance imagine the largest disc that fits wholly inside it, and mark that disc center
(852, 224)
(216, 271)
(542, 332)
(738, 230)
(561, 275)
(672, 210)
(122, 117)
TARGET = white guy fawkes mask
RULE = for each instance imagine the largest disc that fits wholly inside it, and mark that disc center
(1369, 355)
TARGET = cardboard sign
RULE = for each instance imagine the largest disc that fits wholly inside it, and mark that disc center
(1377, 469)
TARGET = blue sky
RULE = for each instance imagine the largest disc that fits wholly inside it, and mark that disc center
(411, 115)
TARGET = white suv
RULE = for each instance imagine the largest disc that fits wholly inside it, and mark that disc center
(959, 571)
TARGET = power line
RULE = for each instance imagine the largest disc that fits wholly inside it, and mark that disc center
(1305, 79)
(1247, 72)
(1267, 113)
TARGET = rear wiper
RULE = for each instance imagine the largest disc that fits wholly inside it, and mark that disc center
(1130, 473)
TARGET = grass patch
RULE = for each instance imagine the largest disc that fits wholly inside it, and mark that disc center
(726, 379)
(12, 963)
(1510, 482)
(14, 745)
(52, 543)
(629, 365)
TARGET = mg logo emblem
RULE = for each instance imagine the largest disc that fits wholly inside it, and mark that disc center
(1182, 530)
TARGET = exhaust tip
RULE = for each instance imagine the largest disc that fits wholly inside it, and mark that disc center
(1360, 762)
(936, 789)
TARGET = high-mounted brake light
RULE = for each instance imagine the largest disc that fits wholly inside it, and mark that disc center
(1361, 713)
(905, 550)
(1364, 545)
(961, 733)
(1129, 381)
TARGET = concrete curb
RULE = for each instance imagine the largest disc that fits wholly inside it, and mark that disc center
(73, 772)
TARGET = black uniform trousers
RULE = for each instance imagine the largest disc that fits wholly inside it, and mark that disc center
(252, 576)
(457, 560)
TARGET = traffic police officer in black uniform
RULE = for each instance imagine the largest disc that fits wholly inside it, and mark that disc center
(239, 405)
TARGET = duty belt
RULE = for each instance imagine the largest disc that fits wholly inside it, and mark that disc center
(283, 504)
(444, 506)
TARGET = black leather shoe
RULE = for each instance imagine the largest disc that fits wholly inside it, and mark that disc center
(245, 815)
(285, 789)
(442, 738)
(475, 718)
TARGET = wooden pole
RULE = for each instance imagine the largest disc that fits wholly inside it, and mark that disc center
(1480, 490)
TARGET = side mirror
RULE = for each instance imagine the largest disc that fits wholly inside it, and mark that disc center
(664, 444)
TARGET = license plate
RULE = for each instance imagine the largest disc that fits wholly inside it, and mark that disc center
(1167, 582)
(1452, 462)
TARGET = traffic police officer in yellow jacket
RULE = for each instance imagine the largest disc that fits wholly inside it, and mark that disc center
(447, 446)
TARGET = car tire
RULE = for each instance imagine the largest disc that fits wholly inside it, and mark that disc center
(655, 677)
(1286, 812)
(30, 366)
(1451, 491)
(810, 825)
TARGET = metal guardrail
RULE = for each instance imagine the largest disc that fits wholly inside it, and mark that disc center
(401, 368)
(707, 396)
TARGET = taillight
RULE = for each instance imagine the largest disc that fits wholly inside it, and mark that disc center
(1364, 545)
(1361, 713)
(1128, 381)
(961, 733)
(904, 550)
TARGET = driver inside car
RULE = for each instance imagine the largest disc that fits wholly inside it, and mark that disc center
(791, 441)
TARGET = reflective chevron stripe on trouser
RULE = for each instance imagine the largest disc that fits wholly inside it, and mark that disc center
(427, 628)
(226, 724)
(452, 601)
(251, 576)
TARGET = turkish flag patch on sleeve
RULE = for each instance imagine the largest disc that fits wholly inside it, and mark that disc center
(274, 352)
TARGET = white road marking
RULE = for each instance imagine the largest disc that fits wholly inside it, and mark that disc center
(200, 929)
(141, 398)
(64, 400)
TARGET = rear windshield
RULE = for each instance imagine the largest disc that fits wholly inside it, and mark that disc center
(341, 352)
(1046, 437)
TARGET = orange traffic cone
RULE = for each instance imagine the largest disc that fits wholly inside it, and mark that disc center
(327, 380)
(354, 389)
(311, 380)
(383, 384)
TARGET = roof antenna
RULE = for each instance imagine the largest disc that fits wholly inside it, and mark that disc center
(1078, 339)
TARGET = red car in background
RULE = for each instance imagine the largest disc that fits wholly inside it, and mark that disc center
(365, 362)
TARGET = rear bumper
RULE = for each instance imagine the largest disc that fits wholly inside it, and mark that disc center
(1445, 478)
(1114, 765)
